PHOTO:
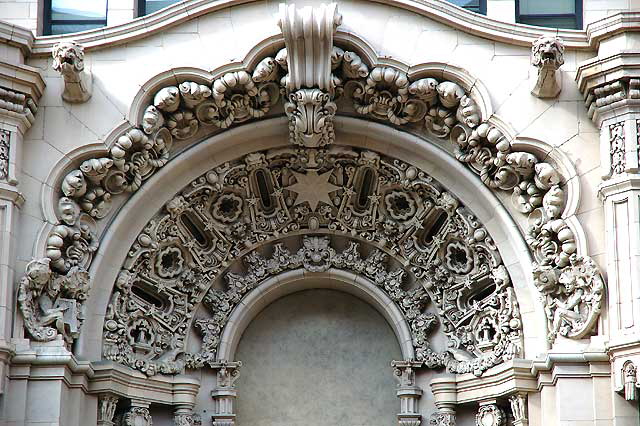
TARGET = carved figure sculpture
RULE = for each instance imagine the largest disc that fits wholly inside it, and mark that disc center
(51, 304)
(68, 60)
(547, 54)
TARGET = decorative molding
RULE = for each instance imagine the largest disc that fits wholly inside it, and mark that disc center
(442, 108)
(68, 60)
(390, 204)
(224, 394)
(439, 10)
(617, 149)
(408, 392)
(18, 106)
(5, 146)
(547, 54)
(442, 418)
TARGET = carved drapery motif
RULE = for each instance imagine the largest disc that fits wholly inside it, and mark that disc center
(384, 201)
(5, 137)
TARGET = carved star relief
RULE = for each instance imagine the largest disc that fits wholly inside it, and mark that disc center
(313, 188)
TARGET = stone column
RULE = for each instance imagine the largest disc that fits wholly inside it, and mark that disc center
(183, 416)
(224, 395)
(610, 84)
(408, 392)
(20, 90)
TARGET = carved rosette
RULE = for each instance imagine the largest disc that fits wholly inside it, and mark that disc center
(391, 205)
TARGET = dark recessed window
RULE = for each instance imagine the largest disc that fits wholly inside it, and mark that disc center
(550, 13)
(70, 16)
(146, 7)
(478, 6)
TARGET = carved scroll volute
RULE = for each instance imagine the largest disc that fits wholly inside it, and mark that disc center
(308, 35)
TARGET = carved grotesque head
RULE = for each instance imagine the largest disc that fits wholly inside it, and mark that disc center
(68, 210)
(74, 184)
(547, 51)
(68, 57)
(38, 272)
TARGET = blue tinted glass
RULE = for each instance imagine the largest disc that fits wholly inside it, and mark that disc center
(155, 5)
(547, 7)
(78, 9)
(472, 5)
(73, 28)
(551, 21)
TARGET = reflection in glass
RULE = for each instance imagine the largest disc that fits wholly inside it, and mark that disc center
(547, 7)
(73, 28)
(472, 5)
(155, 5)
(74, 10)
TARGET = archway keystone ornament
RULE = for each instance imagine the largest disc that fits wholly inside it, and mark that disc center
(385, 202)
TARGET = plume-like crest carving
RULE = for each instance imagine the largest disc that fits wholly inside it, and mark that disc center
(570, 283)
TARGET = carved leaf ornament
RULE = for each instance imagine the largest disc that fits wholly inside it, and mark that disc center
(453, 265)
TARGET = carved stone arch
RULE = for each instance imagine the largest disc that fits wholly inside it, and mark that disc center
(266, 134)
(289, 282)
(440, 98)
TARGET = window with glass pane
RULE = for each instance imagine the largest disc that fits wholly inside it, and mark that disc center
(550, 13)
(478, 6)
(69, 16)
(146, 7)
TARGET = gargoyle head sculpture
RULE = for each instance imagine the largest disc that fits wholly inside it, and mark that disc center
(547, 51)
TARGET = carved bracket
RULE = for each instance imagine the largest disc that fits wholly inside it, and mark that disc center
(68, 60)
(547, 54)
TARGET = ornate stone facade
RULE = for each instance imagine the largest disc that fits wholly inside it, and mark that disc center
(212, 158)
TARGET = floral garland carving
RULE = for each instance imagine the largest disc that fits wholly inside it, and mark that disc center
(570, 284)
(451, 260)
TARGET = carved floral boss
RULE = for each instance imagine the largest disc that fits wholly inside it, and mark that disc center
(571, 284)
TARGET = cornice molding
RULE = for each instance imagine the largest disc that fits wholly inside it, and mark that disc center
(438, 10)
(16, 36)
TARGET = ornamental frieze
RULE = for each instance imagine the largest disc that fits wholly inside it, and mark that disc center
(448, 275)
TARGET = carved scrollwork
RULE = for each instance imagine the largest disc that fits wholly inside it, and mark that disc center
(51, 304)
(451, 260)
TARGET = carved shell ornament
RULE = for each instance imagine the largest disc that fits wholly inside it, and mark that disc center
(225, 214)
